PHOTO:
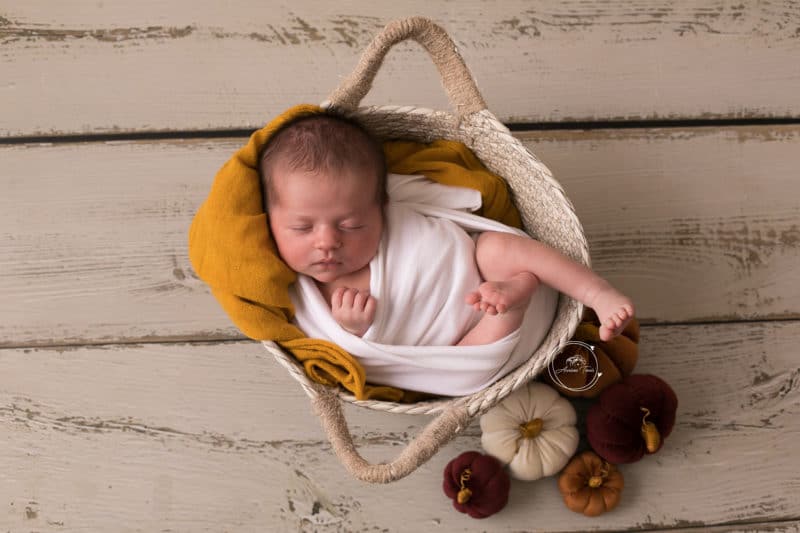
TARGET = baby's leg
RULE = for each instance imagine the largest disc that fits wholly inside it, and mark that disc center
(506, 255)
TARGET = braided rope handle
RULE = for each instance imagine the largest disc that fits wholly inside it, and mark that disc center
(456, 79)
(436, 434)
(327, 405)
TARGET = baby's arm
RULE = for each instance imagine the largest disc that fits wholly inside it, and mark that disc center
(352, 309)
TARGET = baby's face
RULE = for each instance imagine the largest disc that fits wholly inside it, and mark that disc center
(325, 226)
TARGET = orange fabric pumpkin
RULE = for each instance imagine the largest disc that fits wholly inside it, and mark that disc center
(590, 485)
(616, 359)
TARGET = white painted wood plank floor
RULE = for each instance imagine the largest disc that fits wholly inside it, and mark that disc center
(121, 66)
(128, 402)
(212, 436)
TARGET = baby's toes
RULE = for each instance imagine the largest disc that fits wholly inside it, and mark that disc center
(473, 298)
(612, 327)
(612, 322)
(606, 334)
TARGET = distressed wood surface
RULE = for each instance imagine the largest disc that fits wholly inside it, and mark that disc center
(93, 236)
(217, 437)
(128, 402)
(83, 67)
(764, 527)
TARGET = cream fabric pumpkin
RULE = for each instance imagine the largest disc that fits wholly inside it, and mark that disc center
(532, 431)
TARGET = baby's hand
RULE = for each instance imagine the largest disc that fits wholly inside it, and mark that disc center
(354, 310)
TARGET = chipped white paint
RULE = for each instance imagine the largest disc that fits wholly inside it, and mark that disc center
(80, 67)
(216, 437)
(93, 236)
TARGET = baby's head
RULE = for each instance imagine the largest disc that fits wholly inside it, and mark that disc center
(324, 184)
(325, 145)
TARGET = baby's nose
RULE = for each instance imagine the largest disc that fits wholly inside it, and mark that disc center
(328, 239)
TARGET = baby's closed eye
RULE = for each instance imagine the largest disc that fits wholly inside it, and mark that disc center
(351, 227)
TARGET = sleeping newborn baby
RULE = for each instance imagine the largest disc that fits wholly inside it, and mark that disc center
(325, 194)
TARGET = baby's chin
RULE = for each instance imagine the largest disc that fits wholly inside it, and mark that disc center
(324, 277)
(329, 275)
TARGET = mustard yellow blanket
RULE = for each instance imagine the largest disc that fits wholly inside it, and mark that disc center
(231, 248)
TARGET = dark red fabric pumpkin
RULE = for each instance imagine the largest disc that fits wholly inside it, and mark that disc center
(478, 484)
(631, 418)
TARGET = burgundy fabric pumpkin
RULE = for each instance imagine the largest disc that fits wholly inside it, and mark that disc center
(477, 483)
(631, 418)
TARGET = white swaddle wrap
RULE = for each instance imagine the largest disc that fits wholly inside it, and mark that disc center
(424, 268)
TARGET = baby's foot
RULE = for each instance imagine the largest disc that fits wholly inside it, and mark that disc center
(614, 310)
(495, 297)
(352, 309)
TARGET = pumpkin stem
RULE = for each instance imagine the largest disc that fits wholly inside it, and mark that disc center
(596, 481)
(464, 494)
(649, 431)
(531, 428)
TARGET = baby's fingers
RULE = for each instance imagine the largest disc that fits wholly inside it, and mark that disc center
(360, 300)
(348, 298)
(369, 308)
(336, 298)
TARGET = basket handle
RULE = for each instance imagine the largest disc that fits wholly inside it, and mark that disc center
(456, 79)
(436, 434)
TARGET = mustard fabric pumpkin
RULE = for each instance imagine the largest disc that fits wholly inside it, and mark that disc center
(590, 485)
(616, 359)
(532, 431)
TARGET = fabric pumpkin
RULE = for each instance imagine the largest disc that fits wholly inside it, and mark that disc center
(616, 359)
(590, 485)
(532, 430)
(631, 418)
(477, 484)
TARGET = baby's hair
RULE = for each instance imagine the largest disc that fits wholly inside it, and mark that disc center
(325, 142)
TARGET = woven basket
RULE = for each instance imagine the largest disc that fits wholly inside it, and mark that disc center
(546, 213)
